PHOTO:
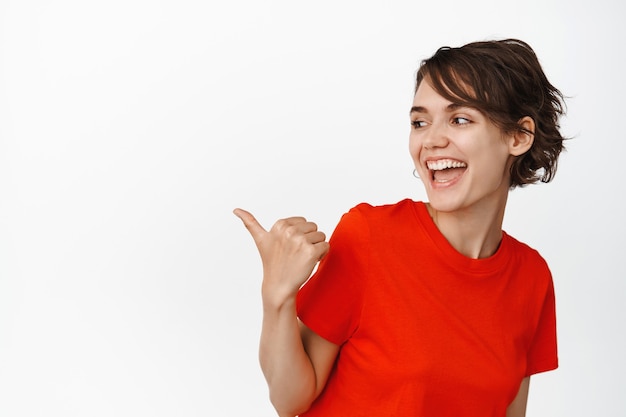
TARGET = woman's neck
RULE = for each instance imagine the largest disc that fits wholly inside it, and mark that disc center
(475, 232)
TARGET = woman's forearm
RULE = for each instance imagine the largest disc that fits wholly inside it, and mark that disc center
(287, 368)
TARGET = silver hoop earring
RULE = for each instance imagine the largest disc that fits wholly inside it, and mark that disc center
(415, 174)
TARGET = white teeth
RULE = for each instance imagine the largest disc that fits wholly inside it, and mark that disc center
(445, 164)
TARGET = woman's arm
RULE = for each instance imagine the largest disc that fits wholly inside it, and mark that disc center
(296, 362)
(518, 406)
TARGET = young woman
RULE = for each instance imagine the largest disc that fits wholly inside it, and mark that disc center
(425, 309)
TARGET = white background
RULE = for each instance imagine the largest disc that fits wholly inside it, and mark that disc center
(130, 129)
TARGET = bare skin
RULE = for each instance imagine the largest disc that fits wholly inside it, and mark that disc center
(518, 406)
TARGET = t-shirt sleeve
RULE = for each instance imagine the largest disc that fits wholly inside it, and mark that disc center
(542, 354)
(330, 302)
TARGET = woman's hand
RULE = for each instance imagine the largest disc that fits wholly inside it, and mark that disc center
(289, 252)
(296, 362)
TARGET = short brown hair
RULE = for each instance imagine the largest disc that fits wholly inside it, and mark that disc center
(504, 80)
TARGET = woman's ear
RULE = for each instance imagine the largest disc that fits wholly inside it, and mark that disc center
(521, 140)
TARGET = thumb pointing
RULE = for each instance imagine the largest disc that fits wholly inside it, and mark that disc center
(253, 226)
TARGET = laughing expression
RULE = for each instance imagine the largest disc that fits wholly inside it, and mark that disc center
(461, 156)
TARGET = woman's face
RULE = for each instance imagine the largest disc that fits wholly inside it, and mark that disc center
(460, 155)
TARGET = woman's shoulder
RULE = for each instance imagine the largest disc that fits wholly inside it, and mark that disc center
(526, 255)
(387, 218)
(406, 206)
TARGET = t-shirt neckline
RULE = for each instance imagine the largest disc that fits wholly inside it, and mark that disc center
(454, 257)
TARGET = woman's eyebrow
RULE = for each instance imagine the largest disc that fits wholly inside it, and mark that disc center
(450, 107)
(418, 109)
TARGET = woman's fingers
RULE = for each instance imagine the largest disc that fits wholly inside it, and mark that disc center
(289, 251)
(294, 232)
(322, 249)
(254, 227)
(293, 226)
(315, 237)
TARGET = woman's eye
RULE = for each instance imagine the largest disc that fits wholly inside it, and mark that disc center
(418, 123)
(460, 121)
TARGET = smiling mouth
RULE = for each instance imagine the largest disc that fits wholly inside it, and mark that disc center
(445, 170)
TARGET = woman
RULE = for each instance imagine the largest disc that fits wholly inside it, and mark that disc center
(425, 309)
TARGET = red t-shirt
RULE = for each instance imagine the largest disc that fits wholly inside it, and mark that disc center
(425, 331)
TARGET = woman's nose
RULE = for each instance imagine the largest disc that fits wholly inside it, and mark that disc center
(436, 136)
